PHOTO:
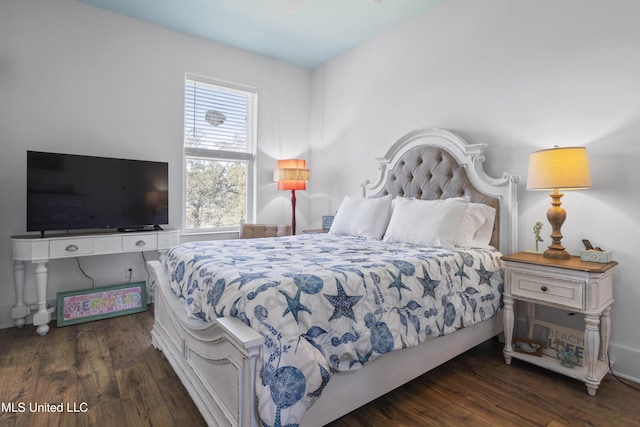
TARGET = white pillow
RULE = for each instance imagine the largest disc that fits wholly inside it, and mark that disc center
(476, 226)
(426, 222)
(395, 199)
(362, 217)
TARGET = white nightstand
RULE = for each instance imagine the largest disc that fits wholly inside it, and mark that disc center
(574, 285)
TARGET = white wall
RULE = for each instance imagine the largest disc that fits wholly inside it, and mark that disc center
(78, 79)
(519, 75)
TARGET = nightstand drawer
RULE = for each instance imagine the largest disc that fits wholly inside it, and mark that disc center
(555, 290)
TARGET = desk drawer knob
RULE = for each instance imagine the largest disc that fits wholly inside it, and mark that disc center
(71, 248)
(140, 243)
(543, 288)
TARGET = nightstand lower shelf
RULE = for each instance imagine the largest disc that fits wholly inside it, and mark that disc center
(551, 363)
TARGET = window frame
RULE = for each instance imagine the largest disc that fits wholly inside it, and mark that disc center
(249, 157)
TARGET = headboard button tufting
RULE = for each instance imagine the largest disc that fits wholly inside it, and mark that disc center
(439, 170)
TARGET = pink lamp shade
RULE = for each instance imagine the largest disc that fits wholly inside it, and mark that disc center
(292, 174)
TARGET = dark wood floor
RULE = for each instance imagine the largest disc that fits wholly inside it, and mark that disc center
(111, 367)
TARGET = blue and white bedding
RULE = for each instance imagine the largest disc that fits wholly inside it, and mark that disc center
(327, 303)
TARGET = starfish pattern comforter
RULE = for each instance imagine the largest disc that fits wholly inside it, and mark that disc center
(327, 303)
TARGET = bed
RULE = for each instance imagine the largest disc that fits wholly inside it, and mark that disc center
(310, 343)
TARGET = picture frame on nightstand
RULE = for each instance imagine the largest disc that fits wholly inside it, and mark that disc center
(327, 221)
(556, 338)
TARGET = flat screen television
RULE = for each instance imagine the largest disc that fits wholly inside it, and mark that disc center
(66, 191)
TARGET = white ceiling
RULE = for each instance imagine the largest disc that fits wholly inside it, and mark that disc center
(306, 33)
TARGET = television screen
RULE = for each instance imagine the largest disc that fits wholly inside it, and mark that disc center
(66, 191)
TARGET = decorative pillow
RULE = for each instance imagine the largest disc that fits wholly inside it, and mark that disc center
(476, 226)
(426, 222)
(362, 217)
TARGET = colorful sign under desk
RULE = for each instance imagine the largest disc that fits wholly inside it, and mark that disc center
(100, 303)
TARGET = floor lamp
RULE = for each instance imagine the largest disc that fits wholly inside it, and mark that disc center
(292, 174)
(558, 169)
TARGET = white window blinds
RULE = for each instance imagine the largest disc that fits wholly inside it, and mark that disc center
(218, 118)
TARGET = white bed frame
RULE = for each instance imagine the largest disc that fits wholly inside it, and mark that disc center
(216, 361)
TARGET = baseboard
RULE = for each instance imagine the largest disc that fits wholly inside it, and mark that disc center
(625, 362)
(6, 321)
(5, 316)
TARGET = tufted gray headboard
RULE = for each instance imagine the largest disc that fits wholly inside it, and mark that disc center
(436, 164)
(430, 173)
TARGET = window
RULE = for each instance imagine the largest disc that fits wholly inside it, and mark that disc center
(219, 154)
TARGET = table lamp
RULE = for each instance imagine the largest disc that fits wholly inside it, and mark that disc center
(558, 168)
(292, 174)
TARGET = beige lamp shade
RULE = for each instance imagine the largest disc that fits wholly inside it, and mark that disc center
(558, 169)
(565, 168)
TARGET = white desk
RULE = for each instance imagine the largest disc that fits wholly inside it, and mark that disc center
(30, 248)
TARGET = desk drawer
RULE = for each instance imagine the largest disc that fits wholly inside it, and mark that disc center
(138, 243)
(60, 248)
(556, 290)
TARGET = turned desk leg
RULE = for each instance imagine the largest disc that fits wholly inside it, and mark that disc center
(42, 317)
(19, 311)
(508, 328)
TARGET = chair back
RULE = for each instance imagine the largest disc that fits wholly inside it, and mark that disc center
(252, 231)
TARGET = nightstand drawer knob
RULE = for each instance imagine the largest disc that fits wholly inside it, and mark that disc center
(543, 288)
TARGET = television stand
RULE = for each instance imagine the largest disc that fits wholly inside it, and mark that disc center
(39, 250)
